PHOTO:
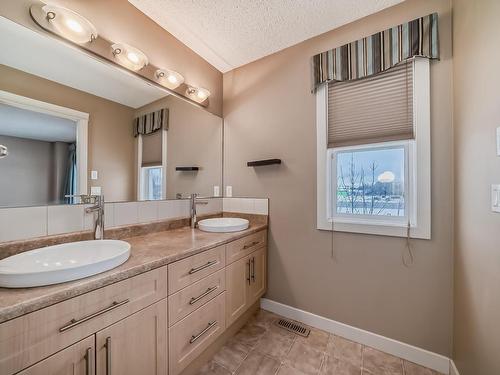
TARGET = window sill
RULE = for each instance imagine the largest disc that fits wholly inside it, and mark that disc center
(380, 229)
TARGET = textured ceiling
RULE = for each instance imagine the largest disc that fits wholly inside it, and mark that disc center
(231, 33)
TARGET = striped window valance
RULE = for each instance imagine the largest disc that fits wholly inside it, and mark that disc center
(151, 122)
(378, 52)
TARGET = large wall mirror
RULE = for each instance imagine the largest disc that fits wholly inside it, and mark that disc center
(72, 124)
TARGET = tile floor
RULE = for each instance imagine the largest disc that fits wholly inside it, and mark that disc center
(264, 349)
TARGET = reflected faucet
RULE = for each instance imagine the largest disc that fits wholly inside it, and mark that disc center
(194, 202)
(98, 207)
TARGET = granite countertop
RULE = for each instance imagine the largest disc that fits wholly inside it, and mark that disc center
(148, 251)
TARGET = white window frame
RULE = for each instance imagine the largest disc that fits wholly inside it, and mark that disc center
(82, 124)
(418, 171)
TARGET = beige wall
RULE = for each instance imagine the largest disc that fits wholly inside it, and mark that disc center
(270, 112)
(476, 32)
(194, 138)
(110, 140)
(120, 21)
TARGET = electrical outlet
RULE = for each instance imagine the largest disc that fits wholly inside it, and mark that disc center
(94, 175)
(95, 190)
(229, 191)
(216, 191)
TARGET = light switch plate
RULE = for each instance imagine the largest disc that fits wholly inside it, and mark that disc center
(229, 191)
(93, 175)
(495, 198)
(216, 191)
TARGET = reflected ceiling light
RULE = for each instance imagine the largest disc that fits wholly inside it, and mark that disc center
(169, 78)
(198, 94)
(130, 57)
(70, 25)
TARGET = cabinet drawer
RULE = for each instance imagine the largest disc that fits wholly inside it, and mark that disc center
(244, 246)
(193, 334)
(185, 301)
(35, 336)
(196, 267)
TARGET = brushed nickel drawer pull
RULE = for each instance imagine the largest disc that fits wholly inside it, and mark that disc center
(194, 338)
(204, 294)
(108, 355)
(253, 269)
(247, 246)
(89, 362)
(74, 322)
(208, 264)
(249, 272)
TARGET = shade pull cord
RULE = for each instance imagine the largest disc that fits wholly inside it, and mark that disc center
(333, 255)
(407, 255)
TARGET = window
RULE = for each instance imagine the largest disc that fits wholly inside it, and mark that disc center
(151, 180)
(373, 152)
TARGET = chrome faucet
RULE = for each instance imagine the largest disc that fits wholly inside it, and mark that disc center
(98, 201)
(194, 202)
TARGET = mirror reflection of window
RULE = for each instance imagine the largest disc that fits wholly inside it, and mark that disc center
(151, 167)
(151, 183)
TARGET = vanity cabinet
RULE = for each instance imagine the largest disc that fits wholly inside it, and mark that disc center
(33, 337)
(245, 283)
(154, 323)
(77, 359)
(134, 345)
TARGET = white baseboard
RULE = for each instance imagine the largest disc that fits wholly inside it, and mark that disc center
(411, 353)
(453, 368)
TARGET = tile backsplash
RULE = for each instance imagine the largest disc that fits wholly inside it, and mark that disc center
(29, 222)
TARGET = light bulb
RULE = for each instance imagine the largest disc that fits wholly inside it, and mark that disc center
(201, 95)
(169, 78)
(68, 24)
(128, 56)
(133, 57)
(74, 25)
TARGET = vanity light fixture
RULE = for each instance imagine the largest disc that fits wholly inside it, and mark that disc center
(169, 78)
(70, 25)
(198, 94)
(130, 57)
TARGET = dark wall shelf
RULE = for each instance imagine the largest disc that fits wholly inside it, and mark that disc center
(187, 169)
(259, 163)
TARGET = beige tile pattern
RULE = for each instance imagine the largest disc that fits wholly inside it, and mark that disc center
(376, 362)
(262, 348)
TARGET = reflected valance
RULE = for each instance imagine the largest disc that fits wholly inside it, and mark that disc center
(151, 122)
(378, 52)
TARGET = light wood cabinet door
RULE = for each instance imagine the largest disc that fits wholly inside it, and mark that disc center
(237, 289)
(135, 345)
(77, 359)
(30, 338)
(258, 275)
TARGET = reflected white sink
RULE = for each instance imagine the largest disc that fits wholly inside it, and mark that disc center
(60, 263)
(223, 224)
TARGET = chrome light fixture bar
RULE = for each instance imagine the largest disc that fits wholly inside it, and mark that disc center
(169, 78)
(68, 24)
(78, 32)
(197, 94)
(130, 57)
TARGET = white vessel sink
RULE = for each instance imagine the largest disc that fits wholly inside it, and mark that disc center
(223, 224)
(60, 263)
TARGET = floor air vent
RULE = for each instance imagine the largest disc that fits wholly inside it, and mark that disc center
(294, 327)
